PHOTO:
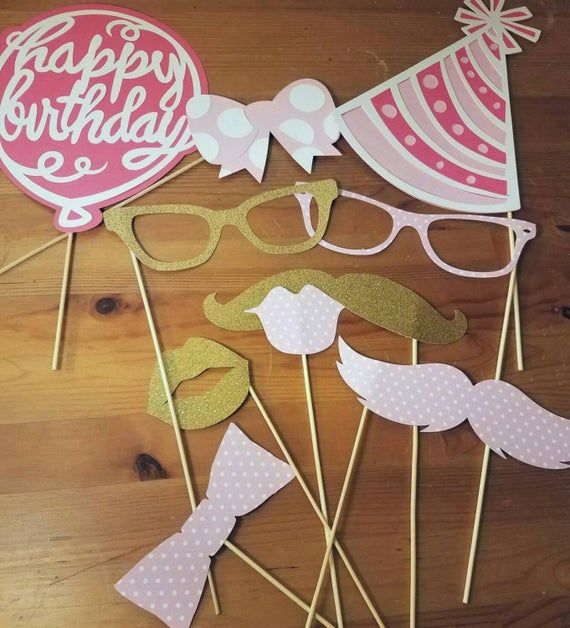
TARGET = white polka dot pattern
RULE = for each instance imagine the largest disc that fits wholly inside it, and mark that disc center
(169, 581)
(235, 136)
(234, 123)
(207, 145)
(509, 422)
(307, 97)
(298, 130)
(302, 323)
(440, 397)
(198, 106)
(430, 395)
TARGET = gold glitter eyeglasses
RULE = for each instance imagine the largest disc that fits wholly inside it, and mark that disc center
(120, 220)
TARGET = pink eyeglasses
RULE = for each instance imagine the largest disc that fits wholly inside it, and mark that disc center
(523, 230)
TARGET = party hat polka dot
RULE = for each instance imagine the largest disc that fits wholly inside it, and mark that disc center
(442, 130)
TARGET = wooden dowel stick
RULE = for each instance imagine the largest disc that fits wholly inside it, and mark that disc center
(516, 306)
(476, 525)
(485, 464)
(413, 507)
(67, 264)
(337, 517)
(320, 485)
(518, 330)
(278, 585)
(314, 505)
(171, 408)
(413, 518)
(505, 327)
(157, 184)
(62, 302)
(127, 201)
(185, 469)
(31, 254)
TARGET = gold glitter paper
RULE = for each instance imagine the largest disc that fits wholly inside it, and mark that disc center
(376, 299)
(199, 411)
(121, 219)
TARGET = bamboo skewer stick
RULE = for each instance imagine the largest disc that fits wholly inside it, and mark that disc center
(62, 302)
(185, 468)
(487, 451)
(32, 253)
(314, 505)
(413, 507)
(171, 408)
(337, 517)
(278, 585)
(320, 485)
(67, 263)
(136, 196)
(516, 306)
(157, 184)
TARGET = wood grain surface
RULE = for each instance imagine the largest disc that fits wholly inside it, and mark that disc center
(89, 483)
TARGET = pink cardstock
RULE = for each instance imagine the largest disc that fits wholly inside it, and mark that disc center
(92, 107)
(169, 581)
(236, 136)
(442, 131)
(299, 324)
(441, 397)
(524, 232)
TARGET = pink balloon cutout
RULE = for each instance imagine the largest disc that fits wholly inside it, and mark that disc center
(92, 107)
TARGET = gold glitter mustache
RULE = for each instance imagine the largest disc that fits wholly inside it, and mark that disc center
(191, 360)
(120, 220)
(376, 299)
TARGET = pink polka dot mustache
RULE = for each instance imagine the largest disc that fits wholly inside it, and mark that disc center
(441, 397)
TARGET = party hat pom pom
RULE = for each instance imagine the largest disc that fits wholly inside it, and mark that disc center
(497, 24)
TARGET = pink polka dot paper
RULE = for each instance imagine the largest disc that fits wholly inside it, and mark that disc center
(300, 324)
(442, 130)
(441, 397)
(168, 582)
(236, 136)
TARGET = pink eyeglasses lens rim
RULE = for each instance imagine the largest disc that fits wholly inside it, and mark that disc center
(507, 224)
(523, 231)
(388, 231)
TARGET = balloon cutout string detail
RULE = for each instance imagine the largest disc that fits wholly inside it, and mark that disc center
(121, 221)
(236, 136)
(110, 121)
(168, 582)
(442, 131)
(440, 397)
(309, 295)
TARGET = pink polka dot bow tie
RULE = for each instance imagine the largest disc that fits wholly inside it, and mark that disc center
(236, 136)
(169, 581)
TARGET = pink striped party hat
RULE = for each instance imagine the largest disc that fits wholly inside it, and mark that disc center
(442, 130)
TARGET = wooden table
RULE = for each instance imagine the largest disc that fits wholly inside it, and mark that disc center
(89, 482)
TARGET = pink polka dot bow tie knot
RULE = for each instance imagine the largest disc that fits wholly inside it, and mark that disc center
(236, 136)
(169, 581)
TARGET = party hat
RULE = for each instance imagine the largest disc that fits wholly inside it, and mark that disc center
(442, 130)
